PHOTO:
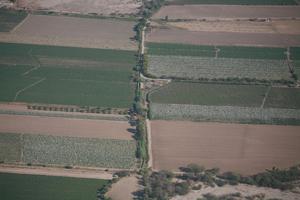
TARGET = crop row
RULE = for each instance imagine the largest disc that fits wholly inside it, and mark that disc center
(225, 114)
(217, 68)
(67, 151)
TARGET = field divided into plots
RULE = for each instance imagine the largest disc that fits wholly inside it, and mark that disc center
(35, 187)
(226, 103)
(64, 75)
(10, 19)
(217, 62)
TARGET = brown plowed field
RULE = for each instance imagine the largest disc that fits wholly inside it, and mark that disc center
(84, 6)
(226, 11)
(173, 35)
(59, 126)
(246, 149)
(277, 26)
(74, 31)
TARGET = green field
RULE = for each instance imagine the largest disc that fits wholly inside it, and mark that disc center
(233, 2)
(226, 103)
(297, 68)
(209, 94)
(295, 53)
(10, 18)
(36, 187)
(272, 53)
(223, 63)
(67, 151)
(64, 75)
(179, 49)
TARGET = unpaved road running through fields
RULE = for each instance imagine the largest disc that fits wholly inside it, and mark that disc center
(59, 126)
(51, 171)
(242, 148)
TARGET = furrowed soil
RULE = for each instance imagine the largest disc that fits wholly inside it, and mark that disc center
(74, 31)
(58, 126)
(227, 12)
(83, 6)
(173, 35)
(246, 149)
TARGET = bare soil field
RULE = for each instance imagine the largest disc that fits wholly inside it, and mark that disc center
(84, 6)
(74, 31)
(276, 26)
(52, 171)
(175, 35)
(59, 126)
(246, 149)
(123, 189)
(227, 12)
(244, 190)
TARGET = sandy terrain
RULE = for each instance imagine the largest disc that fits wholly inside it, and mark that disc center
(74, 31)
(84, 6)
(277, 26)
(246, 149)
(174, 35)
(77, 173)
(65, 127)
(226, 11)
(245, 190)
(123, 189)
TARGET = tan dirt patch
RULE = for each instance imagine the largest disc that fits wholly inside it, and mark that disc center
(51, 171)
(246, 149)
(74, 31)
(59, 126)
(175, 35)
(84, 6)
(279, 26)
(244, 190)
(123, 189)
(227, 12)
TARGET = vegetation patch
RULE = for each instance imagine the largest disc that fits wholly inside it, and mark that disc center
(10, 18)
(68, 151)
(67, 76)
(35, 187)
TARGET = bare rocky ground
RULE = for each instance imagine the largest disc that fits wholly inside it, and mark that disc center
(124, 189)
(244, 190)
(104, 7)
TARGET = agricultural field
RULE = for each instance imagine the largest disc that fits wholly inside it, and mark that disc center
(173, 35)
(226, 103)
(217, 62)
(35, 187)
(67, 151)
(65, 141)
(9, 19)
(98, 7)
(233, 2)
(239, 26)
(246, 149)
(74, 32)
(68, 76)
(227, 12)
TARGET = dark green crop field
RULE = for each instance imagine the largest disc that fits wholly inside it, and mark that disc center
(209, 94)
(233, 2)
(272, 53)
(36, 187)
(283, 98)
(10, 18)
(68, 76)
(180, 49)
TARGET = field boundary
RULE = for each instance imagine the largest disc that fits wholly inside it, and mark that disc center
(20, 24)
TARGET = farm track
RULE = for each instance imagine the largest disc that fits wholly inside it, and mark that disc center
(52, 171)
